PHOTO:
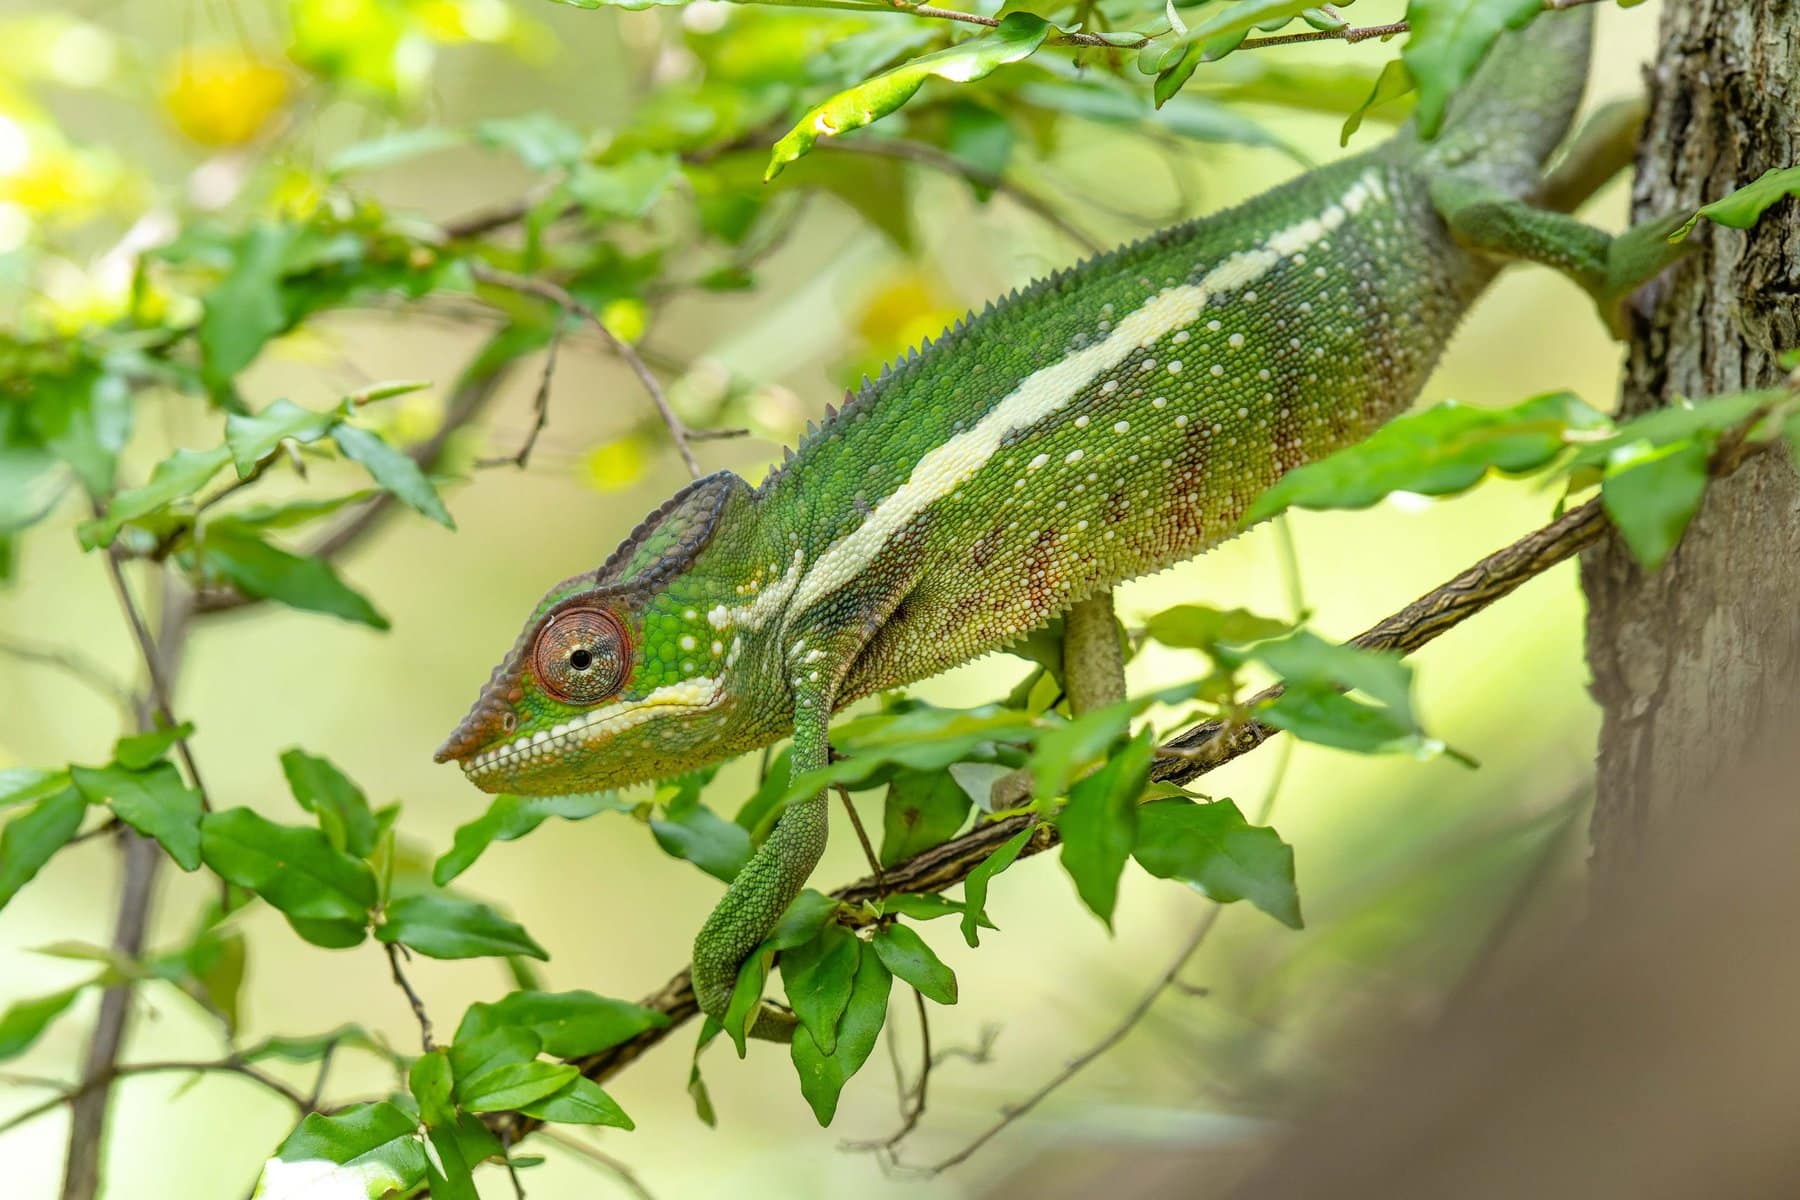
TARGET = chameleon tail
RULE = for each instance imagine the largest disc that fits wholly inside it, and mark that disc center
(1509, 119)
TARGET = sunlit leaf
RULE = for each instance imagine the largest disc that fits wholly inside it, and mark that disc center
(1744, 207)
(394, 471)
(254, 436)
(24, 1021)
(294, 868)
(326, 792)
(515, 1084)
(1016, 37)
(580, 1102)
(258, 569)
(175, 478)
(366, 1150)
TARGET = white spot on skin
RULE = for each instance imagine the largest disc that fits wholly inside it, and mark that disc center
(687, 641)
(1175, 367)
(1074, 456)
(1122, 427)
(1217, 370)
(1039, 461)
(1081, 422)
(1046, 391)
(1235, 341)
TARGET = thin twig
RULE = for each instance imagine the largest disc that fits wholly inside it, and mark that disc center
(562, 298)
(601, 1158)
(862, 835)
(89, 1086)
(512, 1172)
(412, 997)
(153, 664)
(912, 1106)
(77, 666)
(540, 406)
(1077, 1064)
(930, 156)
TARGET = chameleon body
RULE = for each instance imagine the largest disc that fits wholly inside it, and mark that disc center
(1097, 426)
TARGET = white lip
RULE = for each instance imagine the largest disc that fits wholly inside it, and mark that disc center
(689, 694)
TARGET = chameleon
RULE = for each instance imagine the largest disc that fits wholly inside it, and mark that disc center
(1102, 424)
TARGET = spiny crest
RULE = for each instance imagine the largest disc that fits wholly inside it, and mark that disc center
(666, 541)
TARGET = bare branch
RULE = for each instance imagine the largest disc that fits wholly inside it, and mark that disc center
(562, 298)
(930, 156)
(76, 666)
(540, 407)
(600, 1158)
(412, 997)
(87, 1087)
(1076, 1065)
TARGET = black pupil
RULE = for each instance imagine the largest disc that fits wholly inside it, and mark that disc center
(581, 660)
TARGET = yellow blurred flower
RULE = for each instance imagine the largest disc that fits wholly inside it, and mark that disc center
(222, 95)
(617, 464)
(626, 319)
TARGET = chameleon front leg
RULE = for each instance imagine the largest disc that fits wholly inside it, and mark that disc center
(768, 883)
(1607, 268)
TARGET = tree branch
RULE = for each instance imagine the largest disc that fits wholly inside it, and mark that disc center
(88, 1087)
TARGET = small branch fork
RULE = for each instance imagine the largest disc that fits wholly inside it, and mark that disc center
(412, 998)
(1191, 754)
(560, 296)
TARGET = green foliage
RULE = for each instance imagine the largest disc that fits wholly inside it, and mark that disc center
(30, 839)
(154, 801)
(823, 1074)
(446, 927)
(906, 956)
(566, 1024)
(1213, 849)
(24, 1021)
(1745, 207)
(511, 817)
(1099, 825)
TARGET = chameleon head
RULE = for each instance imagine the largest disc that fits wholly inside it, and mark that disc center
(618, 677)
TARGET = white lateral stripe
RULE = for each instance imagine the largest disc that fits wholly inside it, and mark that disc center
(1043, 392)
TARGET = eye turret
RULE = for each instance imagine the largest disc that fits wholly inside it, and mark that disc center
(581, 655)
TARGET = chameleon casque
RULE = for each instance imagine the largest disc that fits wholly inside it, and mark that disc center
(1099, 425)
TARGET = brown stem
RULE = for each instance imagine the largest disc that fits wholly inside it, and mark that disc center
(412, 997)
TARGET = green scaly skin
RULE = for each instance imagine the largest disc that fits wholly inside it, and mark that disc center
(1097, 426)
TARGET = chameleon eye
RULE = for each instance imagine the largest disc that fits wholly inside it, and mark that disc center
(581, 656)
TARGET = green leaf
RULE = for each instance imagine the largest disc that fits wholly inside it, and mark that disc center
(475, 1054)
(1197, 118)
(85, 419)
(923, 809)
(976, 885)
(625, 189)
(823, 1076)
(1312, 707)
(569, 1024)
(1744, 207)
(24, 1021)
(581, 1102)
(1235, 20)
(688, 829)
(245, 308)
(511, 817)
(431, 1083)
(746, 997)
(446, 1170)
(326, 792)
(513, 1085)
(394, 471)
(312, 1048)
(446, 927)
(367, 1150)
(1017, 36)
(1199, 627)
(541, 140)
(252, 437)
(30, 838)
(801, 920)
(1099, 825)
(295, 869)
(1449, 40)
(903, 952)
(818, 976)
(392, 148)
(1394, 82)
(22, 785)
(1212, 848)
(175, 478)
(927, 906)
(138, 750)
(1443, 450)
(154, 802)
(1651, 493)
(259, 569)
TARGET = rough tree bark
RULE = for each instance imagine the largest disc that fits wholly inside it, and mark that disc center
(1691, 662)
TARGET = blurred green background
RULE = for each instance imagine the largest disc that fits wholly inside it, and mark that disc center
(1405, 868)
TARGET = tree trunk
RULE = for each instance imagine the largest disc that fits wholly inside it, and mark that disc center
(1691, 663)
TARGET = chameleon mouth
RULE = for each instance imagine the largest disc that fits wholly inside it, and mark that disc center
(546, 745)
